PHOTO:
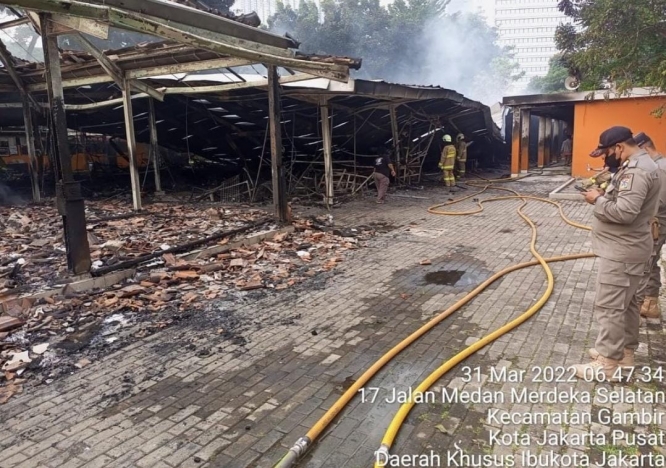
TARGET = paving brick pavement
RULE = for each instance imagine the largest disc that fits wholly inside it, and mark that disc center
(157, 404)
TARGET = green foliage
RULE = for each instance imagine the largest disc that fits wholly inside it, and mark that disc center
(617, 41)
(553, 82)
(415, 42)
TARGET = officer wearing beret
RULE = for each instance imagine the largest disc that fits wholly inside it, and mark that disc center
(622, 239)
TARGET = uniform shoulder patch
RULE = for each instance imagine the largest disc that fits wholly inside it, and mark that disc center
(625, 182)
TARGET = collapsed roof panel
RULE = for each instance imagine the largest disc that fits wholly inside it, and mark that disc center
(234, 123)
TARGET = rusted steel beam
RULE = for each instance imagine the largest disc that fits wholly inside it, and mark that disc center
(194, 35)
(131, 145)
(274, 116)
(115, 72)
(154, 145)
(151, 71)
(515, 143)
(14, 22)
(68, 191)
(525, 118)
(32, 150)
(542, 142)
(328, 154)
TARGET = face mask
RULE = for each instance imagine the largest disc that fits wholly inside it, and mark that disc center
(612, 161)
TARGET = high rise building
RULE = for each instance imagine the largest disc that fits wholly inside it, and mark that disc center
(264, 8)
(529, 26)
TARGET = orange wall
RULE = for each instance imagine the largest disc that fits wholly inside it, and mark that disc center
(592, 118)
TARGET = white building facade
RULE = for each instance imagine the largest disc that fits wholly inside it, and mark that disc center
(264, 8)
(529, 26)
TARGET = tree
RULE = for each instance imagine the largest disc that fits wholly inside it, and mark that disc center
(415, 42)
(617, 41)
(553, 82)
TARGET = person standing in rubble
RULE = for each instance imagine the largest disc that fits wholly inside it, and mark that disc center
(383, 169)
(461, 155)
(447, 163)
(567, 149)
(648, 294)
(622, 239)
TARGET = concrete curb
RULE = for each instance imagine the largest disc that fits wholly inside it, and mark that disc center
(558, 195)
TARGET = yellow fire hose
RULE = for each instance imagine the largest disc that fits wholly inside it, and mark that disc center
(302, 445)
(405, 408)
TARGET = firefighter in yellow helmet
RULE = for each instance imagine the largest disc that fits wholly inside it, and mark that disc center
(461, 155)
(447, 162)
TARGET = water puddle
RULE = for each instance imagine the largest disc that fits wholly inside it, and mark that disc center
(444, 277)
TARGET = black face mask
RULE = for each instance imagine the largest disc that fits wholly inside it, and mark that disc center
(613, 162)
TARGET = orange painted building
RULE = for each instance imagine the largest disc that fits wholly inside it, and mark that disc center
(586, 115)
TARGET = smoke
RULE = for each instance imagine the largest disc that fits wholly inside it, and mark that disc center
(8, 197)
(419, 44)
(460, 52)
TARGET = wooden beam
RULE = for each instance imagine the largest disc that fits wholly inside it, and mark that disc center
(154, 146)
(32, 150)
(328, 154)
(68, 192)
(115, 71)
(275, 128)
(131, 145)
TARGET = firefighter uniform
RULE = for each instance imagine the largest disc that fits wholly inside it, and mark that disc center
(461, 155)
(447, 164)
(600, 180)
(648, 293)
(622, 239)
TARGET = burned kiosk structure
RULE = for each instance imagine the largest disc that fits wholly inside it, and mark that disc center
(208, 41)
(284, 123)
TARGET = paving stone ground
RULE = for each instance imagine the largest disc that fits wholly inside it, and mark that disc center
(157, 404)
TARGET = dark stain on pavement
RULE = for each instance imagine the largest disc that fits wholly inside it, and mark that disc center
(444, 277)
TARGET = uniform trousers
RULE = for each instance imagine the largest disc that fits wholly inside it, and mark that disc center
(449, 176)
(652, 281)
(382, 182)
(462, 163)
(616, 306)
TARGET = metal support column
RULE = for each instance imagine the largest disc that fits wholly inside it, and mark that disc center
(542, 142)
(32, 150)
(548, 141)
(131, 145)
(154, 146)
(68, 191)
(555, 141)
(328, 155)
(525, 116)
(515, 143)
(277, 169)
(395, 132)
